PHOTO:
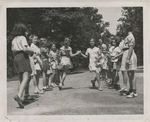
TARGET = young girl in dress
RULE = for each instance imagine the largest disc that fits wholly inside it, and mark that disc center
(37, 64)
(94, 55)
(46, 71)
(65, 54)
(21, 51)
(103, 49)
(54, 64)
(110, 67)
(116, 55)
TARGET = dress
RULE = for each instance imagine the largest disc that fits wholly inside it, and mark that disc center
(104, 60)
(93, 53)
(65, 58)
(109, 62)
(116, 62)
(129, 41)
(37, 53)
(103, 47)
(53, 59)
(44, 57)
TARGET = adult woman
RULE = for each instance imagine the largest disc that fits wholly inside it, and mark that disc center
(129, 61)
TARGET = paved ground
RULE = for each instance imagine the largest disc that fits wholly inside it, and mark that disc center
(77, 98)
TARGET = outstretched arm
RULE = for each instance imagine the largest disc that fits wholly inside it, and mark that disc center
(72, 55)
(85, 56)
(117, 55)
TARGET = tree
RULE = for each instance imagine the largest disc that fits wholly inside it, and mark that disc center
(80, 24)
(134, 15)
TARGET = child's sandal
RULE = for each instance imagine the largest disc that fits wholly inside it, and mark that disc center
(100, 89)
(28, 97)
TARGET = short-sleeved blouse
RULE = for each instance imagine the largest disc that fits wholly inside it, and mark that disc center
(93, 53)
(53, 54)
(44, 54)
(65, 51)
(19, 43)
(129, 40)
(35, 48)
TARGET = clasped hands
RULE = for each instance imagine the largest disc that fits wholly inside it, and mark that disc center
(78, 52)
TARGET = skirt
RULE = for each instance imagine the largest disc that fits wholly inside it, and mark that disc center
(54, 64)
(66, 63)
(37, 66)
(21, 62)
(46, 65)
(94, 68)
(133, 62)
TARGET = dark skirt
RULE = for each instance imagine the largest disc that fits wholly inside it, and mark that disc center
(46, 65)
(21, 62)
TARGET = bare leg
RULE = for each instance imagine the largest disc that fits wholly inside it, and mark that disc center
(95, 79)
(98, 80)
(23, 84)
(27, 87)
(124, 73)
(53, 77)
(57, 76)
(35, 83)
(130, 79)
(37, 78)
(20, 80)
(63, 77)
(44, 79)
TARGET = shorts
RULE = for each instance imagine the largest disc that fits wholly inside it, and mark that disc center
(22, 62)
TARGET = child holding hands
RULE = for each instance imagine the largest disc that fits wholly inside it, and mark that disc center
(94, 55)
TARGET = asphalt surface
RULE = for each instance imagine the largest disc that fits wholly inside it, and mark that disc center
(77, 98)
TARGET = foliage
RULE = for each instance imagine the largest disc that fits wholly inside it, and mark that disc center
(134, 15)
(80, 24)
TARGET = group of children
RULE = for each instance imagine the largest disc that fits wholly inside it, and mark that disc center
(33, 56)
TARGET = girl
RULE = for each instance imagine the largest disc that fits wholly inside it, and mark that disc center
(116, 55)
(94, 53)
(65, 54)
(109, 63)
(123, 90)
(54, 63)
(103, 49)
(21, 50)
(46, 67)
(129, 60)
(37, 64)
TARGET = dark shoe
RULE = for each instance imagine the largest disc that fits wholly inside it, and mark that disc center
(128, 92)
(112, 87)
(117, 87)
(132, 95)
(60, 86)
(93, 83)
(19, 101)
(25, 102)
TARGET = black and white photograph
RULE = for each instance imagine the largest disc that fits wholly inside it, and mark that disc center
(75, 60)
